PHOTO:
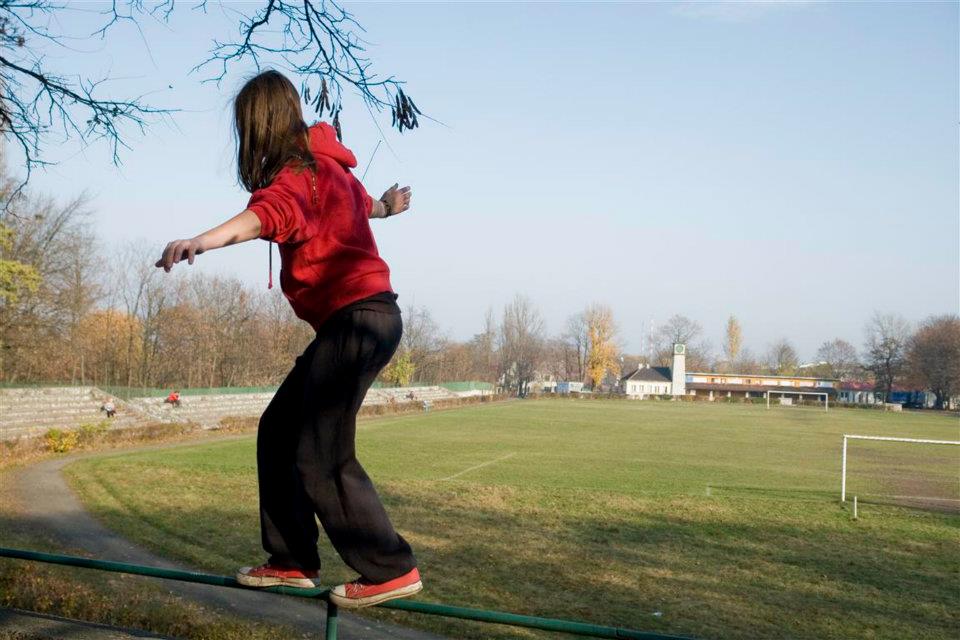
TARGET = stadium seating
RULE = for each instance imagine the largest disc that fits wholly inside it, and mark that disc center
(408, 394)
(32, 411)
(209, 410)
(205, 410)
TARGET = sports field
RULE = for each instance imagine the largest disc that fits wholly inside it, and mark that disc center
(717, 521)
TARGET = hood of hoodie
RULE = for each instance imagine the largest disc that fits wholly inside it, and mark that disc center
(323, 142)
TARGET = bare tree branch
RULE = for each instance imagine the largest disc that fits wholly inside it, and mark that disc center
(318, 41)
(35, 101)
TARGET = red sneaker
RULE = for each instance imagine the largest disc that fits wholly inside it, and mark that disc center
(361, 593)
(267, 575)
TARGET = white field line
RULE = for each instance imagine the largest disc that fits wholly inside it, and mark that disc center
(884, 495)
(478, 466)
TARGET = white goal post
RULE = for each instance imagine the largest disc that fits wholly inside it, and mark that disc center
(826, 396)
(843, 464)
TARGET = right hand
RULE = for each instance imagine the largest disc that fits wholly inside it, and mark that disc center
(398, 198)
(179, 250)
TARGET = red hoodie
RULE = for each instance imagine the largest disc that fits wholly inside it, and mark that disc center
(321, 224)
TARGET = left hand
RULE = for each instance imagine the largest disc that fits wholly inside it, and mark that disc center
(179, 250)
(398, 198)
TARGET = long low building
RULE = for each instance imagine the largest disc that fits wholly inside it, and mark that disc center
(741, 385)
(675, 381)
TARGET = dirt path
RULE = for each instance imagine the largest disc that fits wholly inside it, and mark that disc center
(52, 509)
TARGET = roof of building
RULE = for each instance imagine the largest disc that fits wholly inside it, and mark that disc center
(853, 385)
(649, 374)
(753, 375)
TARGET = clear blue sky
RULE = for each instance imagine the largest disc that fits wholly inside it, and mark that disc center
(795, 165)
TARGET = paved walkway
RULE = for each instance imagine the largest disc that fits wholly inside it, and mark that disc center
(54, 510)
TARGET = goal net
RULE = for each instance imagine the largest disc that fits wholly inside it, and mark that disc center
(906, 471)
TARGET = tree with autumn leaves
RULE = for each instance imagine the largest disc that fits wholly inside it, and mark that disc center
(602, 349)
(400, 370)
(933, 357)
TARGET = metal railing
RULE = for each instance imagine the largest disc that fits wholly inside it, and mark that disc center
(480, 615)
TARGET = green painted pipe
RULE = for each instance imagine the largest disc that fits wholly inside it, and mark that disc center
(428, 608)
(517, 620)
(332, 621)
(153, 572)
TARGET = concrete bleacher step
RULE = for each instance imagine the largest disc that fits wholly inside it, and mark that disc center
(403, 394)
(207, 410)
(35, 410)
(12, 432)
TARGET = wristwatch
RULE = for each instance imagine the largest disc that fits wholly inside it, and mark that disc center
(387, 208)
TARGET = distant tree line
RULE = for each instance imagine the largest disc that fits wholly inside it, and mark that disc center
(71, 313)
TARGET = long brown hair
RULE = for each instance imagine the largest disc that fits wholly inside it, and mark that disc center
(270, 130)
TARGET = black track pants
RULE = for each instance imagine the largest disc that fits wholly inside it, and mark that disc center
(306, 458)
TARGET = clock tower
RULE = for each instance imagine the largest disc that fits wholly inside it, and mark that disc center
(679, 370)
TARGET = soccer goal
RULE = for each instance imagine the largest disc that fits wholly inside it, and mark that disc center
(826, 396)
(907, 474)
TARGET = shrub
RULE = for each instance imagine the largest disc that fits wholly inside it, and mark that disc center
(60, 441)
(90, 432)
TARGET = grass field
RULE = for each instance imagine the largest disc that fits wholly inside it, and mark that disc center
(717, 521)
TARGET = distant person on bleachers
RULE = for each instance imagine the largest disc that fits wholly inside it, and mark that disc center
(173, 399)
(305, 199)
(109, 408)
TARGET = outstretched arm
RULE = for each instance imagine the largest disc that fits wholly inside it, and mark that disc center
(240, 228)
(394, 200)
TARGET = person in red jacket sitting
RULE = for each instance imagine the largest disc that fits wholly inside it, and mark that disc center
(305, 198)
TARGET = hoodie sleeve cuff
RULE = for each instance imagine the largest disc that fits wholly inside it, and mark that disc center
(267, 226)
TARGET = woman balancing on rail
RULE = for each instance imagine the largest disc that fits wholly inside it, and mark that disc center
(305, 199)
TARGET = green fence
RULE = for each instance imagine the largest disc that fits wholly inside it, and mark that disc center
(415, 606)
(36, 385)
(469, 385)
(125, 393)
